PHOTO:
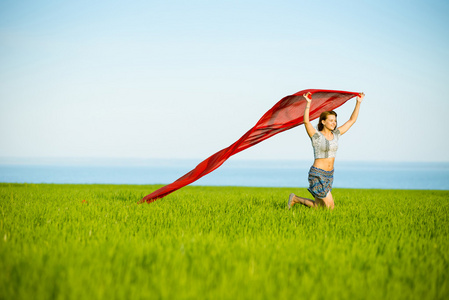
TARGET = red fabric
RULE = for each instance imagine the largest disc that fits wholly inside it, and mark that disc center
(284, 115)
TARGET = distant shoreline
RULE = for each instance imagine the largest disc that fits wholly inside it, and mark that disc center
(348, 174)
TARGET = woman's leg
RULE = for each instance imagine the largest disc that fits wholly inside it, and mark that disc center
(293, 199)
(327, 201)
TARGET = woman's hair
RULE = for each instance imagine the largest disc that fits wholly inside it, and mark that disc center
(324, 116)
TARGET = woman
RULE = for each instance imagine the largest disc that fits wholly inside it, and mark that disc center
(325, 145)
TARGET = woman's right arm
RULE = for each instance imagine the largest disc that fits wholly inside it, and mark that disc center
(309, 128)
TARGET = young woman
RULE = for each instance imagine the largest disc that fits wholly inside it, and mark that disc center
(325, 145)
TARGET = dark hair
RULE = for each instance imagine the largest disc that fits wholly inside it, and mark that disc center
(324, 116)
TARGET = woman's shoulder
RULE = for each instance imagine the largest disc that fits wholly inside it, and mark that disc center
(316, 135)
(336, 134)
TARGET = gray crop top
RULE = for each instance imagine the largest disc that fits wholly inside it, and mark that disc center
(322, 147)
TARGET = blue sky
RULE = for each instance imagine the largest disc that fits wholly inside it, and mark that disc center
(184, 79)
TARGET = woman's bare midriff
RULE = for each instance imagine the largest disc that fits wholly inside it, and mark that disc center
(326, 164)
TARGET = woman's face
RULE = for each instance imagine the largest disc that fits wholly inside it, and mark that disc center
(330, 122)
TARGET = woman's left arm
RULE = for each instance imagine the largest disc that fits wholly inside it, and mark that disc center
(345, 127)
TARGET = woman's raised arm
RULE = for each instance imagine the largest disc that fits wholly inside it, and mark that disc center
(345, 127)
(309, 128)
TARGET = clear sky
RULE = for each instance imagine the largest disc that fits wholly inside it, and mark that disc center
(184, 79)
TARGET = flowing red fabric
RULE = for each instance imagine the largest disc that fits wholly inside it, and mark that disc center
(284, 115)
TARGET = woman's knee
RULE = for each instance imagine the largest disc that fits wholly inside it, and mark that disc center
(322, 202)
(328, 201)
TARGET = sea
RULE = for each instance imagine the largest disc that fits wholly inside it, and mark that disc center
(254, 173)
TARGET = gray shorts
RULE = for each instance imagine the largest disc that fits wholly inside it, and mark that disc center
(320, 182)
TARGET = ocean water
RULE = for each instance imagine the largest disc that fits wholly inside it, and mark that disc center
(368, 175)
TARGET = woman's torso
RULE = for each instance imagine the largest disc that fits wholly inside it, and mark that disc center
(325, 149)
(326, 164)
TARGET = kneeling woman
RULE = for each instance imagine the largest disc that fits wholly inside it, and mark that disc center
(325, 145)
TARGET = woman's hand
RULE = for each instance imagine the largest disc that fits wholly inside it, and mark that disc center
(308, 97)
(360, 97)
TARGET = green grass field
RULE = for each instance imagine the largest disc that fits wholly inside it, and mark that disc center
(95, 242)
